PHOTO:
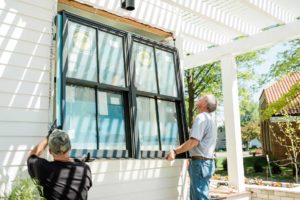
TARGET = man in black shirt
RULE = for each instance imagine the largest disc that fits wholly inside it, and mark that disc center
(62, 178)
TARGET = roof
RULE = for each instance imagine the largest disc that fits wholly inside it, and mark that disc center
(281, 87)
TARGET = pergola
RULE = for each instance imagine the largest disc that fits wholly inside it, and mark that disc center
(213, 30)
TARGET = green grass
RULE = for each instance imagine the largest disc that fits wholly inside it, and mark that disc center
(285, 176)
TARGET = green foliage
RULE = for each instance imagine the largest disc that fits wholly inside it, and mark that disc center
(250, 131)
(200, 81)
(288, 137)
(207, 79)
(277, 107)
(275, 169)
(26, 189)
(257, 166)
(286, 173)
(248, 107)
(224, 164)
(288, 61)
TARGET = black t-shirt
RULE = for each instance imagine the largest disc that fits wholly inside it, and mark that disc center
(61, 180)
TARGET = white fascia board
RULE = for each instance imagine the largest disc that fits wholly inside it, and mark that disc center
(261, 40)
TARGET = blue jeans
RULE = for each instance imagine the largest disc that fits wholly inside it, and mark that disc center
(200, 172)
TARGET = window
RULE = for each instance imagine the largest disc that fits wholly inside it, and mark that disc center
(118, 95)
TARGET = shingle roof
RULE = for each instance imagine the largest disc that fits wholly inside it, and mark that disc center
(281, 87)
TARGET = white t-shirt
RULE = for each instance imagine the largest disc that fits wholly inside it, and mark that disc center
(204, 130)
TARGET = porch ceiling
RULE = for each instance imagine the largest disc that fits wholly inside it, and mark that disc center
(204, 25)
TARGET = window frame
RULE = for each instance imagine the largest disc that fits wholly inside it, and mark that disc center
(129, 93)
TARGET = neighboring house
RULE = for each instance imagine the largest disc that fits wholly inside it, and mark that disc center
(221, 139)
(269, 127)
(255, 143)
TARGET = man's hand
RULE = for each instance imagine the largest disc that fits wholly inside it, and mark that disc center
(39, 148)
(171, 155)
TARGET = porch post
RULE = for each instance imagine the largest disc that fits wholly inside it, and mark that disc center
(232, 123)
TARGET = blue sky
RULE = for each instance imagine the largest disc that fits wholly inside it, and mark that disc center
(270, 57)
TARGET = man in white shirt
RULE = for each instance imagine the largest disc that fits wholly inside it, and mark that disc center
(201, 146)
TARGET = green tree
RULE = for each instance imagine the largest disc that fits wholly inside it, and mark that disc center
(288, 61)
(248, 85)
(250, 131)
(289, 138)
(200, 81)
(207, 79)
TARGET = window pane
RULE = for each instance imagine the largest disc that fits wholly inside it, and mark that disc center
(82, 56)
(80, 119)
(111, 121)
(111, 59)
(145, 78)
(168, 125)
(147, 124)
(166, 73)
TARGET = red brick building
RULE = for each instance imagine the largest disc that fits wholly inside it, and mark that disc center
(269, 126)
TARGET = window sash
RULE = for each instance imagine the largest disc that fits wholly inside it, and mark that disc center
(130, 93)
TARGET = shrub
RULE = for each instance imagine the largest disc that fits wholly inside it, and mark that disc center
(26, 189)
(275, 169)
(257, 166)
(224, 163)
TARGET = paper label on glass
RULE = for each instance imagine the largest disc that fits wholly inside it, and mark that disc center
(102, 103)
(115, 100)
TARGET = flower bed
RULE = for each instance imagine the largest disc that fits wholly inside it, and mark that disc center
(256, 181)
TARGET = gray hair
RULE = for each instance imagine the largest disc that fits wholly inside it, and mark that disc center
(211, 102)
(59, 142)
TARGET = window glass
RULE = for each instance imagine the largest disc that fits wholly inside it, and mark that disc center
(145, 77)
(82, 56)
(166, 73)
(168, 125)
(111, 121)
(79, 121)
(147, 124)
(111, 59)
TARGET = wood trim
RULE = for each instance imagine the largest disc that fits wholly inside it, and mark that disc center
(111, 16)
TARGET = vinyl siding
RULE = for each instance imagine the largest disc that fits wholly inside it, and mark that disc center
(25, 43)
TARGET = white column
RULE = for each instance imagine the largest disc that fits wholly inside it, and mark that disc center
(232, 123)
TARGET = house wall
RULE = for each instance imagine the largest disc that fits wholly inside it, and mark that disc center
(25, 44)
(26, 87)
(278, 151)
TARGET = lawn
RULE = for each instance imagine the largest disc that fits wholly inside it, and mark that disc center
(286, 174)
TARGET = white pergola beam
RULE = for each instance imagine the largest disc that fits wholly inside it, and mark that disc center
(217, 16)
(261, 40)
(271, 9)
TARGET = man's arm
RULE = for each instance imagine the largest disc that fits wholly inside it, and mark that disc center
(39, 148)
(186, 146)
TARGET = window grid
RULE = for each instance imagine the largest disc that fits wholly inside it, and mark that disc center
(129, 92)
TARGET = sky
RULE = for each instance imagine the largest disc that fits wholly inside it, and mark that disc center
(270, 57)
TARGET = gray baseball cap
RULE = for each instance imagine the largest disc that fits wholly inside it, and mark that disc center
(59, 142)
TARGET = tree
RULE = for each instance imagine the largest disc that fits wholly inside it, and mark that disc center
(200, 81)
(289, 138)
(250, 131)
(247, 76)
(207, 79)
(288, 61)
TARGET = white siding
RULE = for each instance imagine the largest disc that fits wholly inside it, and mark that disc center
(25, 42)
(138, 179)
